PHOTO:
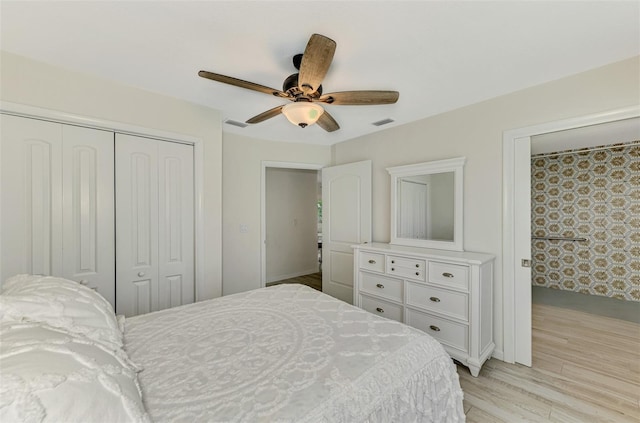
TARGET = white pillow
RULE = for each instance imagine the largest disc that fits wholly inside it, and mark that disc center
(16, 281)
(60, 303)
(50, 375)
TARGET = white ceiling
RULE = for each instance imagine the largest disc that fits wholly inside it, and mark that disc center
(440, 55)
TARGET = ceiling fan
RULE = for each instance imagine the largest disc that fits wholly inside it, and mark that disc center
(304, 89)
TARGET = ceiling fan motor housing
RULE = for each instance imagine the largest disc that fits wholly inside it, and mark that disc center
(290, 85)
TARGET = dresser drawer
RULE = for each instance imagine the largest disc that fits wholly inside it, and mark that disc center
(449, 333)
(372, 261)
(381, 286)
(449, 274)
(442, 301)
(416, 264)
(406, 268)
(381, 308)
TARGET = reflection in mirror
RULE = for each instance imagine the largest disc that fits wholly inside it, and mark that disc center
(426, 204)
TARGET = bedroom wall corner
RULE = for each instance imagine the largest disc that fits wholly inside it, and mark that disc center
(241, 209)
(32, 83)
(476, 132)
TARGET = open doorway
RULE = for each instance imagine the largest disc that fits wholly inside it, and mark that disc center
(584, 184)
(517, 228)
(292, 219)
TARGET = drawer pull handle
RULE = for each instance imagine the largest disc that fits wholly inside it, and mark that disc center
(447, 275)
(393, 261)
(417, 273)
(417, 265)
(393, 269)
(380, 310)
(372, 262)
(435, 299)
(381, 286)
(434, 328)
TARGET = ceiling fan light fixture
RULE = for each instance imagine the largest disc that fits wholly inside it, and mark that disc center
(302, 113)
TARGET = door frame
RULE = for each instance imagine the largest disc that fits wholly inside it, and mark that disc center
(263, 206)
(22, 110)
(514, 230)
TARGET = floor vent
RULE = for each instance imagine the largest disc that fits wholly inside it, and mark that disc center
(383, 122)
(236, 123)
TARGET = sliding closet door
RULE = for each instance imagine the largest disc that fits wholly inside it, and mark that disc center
(88, 245)
(31, 152)
(154, 225)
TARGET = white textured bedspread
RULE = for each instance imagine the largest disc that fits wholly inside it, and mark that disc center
(289, 353)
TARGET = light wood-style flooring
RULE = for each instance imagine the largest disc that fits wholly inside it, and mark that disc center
(586, 368)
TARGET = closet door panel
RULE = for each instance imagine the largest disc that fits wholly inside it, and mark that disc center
(142, 297)
(176, 225)
(136, 161)
(88, 202)
(31, 197)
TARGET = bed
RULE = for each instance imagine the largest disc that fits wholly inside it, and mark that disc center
(286, 353)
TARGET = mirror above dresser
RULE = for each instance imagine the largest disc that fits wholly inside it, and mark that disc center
(427, 204)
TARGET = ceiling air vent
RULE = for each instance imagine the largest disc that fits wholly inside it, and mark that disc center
(236, 123)
(383, 122)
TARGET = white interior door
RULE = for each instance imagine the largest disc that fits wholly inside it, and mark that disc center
(346, 210)
(31, 197)
(88, 244)
(414, 216)
(57, 202)
(154, 225)
(176, 278)
(522, 250)
(137, 225)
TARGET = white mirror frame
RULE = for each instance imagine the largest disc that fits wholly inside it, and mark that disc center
(455, 165)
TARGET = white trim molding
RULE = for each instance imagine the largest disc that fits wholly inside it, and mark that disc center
(511, 235)
(33, 112)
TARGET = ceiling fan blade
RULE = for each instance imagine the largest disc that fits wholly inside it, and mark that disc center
(360, 98)
(315, 63)
(242, 84)
(327, 122)
(266, 115)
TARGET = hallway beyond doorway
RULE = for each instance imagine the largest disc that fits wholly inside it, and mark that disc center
(313, 280)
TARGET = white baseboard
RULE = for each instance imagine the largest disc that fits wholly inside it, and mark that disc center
(498, 354)
(292, 275)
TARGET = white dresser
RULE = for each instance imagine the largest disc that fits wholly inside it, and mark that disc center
(447, 294)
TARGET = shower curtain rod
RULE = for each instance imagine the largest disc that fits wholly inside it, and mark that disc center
(558, 238)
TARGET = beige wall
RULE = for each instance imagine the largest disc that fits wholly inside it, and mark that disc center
(242, 179)
(291, 223)
(40, 85)
(476, 132)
